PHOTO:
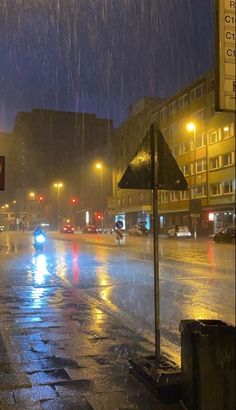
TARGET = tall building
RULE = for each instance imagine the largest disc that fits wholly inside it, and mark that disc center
(205, 152)
(57, 146)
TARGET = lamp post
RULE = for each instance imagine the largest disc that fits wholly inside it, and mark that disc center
(58, 185)
(99, 167)
(191, 127)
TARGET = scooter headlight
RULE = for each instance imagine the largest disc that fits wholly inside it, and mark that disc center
(40, 238)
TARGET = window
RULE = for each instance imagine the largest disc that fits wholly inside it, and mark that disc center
(184, 195)
(199, 115)
(197, 92)
(201, 140)
(215, 189)
(129, 200)
(174, 129)
(163, 113)
(227, 159)
(183, 101)
(200, 190)
(175, 150)
(192, 168)
(173, 107)
(164, 197)
(201, 165)
(213, 137)
(214, 162)
(227, 132)
(228, 187)
(185, 169)
(122, 200)
(184, 147)
(174, 196)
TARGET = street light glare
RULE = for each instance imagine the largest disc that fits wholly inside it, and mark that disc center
(58, 185)
(191, 126)
(32, 194)
(99, 165)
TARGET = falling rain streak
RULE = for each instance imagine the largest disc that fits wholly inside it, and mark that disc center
(99, 55)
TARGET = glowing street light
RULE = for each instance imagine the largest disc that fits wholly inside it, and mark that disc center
(99, 167)
(58, 185)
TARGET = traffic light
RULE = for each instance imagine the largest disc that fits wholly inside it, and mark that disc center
(74, 201)
(41, 198)
(99, 216)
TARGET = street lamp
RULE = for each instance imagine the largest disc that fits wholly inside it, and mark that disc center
(99, 167)
(191, 127)
(58, 185)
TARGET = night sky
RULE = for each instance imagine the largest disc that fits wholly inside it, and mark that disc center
(99, 55)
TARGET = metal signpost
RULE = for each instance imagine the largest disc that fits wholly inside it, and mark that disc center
(154, 167)
(226, 54)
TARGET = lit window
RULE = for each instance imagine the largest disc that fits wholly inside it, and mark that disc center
(201, 165)
(214, 162)
(184, 147)
(213, 137)
(175, 150)
(228, 187)
(201, 140)
(226, 132)
(164, 197)
(200, 190)
(174, 196)
(184, 195)
(228, 159)
(186, 169)
(215, 189)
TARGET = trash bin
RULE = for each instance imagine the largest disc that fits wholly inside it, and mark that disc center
(207, 365)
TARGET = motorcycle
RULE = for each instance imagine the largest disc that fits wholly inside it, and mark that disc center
(39, 240)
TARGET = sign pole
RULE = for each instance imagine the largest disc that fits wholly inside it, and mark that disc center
(154, 176)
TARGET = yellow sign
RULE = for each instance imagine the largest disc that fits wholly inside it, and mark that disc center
(226, 55)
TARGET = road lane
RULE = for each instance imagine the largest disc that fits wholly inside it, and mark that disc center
(196, 278)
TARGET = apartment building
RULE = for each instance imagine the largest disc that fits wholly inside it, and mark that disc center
(203, 144)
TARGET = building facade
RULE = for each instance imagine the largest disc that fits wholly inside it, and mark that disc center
(205, 152)
(57, 146)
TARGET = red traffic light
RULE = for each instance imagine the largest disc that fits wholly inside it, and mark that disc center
(74, 201)
(41, 198)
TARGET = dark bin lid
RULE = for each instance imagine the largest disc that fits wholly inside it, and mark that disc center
(206, 327)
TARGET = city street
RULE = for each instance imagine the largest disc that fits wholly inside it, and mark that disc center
(196, 277)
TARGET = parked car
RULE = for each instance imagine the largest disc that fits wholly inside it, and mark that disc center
(226, 235)
(89, 229)
(135, 231)
(179, 231)
(68, 228)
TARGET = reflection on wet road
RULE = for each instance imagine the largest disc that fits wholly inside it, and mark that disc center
(196, 278)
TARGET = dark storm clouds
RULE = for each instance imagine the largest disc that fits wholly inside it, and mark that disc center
(99, 55)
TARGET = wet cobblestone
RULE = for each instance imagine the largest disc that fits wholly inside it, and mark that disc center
(59, 352)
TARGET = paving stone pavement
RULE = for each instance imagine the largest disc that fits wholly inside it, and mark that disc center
(58, 351)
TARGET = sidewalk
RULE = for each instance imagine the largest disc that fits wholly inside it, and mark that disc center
(59, 352)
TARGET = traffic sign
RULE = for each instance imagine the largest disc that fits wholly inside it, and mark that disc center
(226, 54)
(119, 224)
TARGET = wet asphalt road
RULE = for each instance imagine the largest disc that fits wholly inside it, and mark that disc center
(197, 278)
